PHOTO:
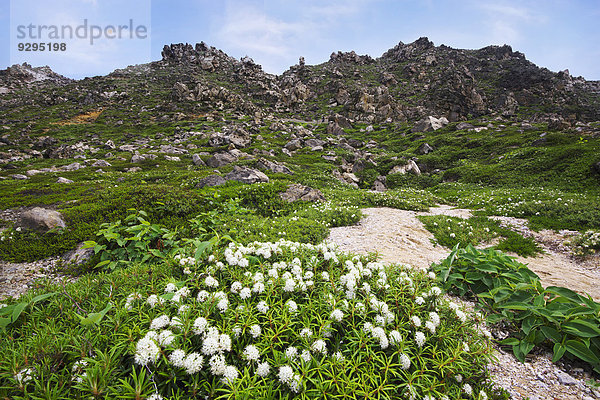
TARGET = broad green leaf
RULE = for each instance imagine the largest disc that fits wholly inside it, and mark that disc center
(551, 334)
(581, 328)
(514, 306)
(527, 324)
(581, 351)
(18, 310)
(42, 297)
(510, 341)
(95, 318)
(559, 350)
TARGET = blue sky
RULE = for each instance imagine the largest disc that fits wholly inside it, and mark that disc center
(556, 34)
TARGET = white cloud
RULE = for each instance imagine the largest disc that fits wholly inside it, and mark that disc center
(508, 20)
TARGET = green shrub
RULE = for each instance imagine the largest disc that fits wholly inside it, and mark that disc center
(510, 292)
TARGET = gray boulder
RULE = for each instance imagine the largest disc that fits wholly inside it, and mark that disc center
(333, 128)
(19, 177)
(294, 144)
(42, 219)
(425, 148)
(314, 142)
(63, 180)
(198, 161)
(297, 192)
(101, 163)
(265, 164)
(410, 166)
(78, 256)
(220, 159)
(429, 124)
(211, 180)
(246, 175)
(463, 126)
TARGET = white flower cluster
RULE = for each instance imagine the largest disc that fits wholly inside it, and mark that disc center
(25, 375)
(287, 377)
(459, 313)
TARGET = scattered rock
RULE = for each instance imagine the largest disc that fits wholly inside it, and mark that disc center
(333, 128)
(410, 166)
(293, 145)
(246, 175)
(220, 159)
(19, 177)
(211, 180)
(566, 379)
(42, 219)
(265, 164)
(63, 180)
(425, 148)
(79, 255)
(463, 126)
(101, 163)
(198, 161)
(429, 124)
(297, 192)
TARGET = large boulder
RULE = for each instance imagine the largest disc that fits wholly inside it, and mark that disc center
(297, 192)
(198, 161)
(429, 124)
(42, 219)
(410, 166)
(293, 144)
(265, 164)
(211, 180)
(78, 256)
(220, 159)
(246, 175)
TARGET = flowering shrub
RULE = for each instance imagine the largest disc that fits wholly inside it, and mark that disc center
(586, 243)
(302, 319)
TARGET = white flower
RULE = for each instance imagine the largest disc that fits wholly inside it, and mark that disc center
(200, 325)
(416, 320)
(420, 339)
(176, 322)
(193, 363)
(290, 285)
(292, 306)
(319, 346)
(262, 307)
(160, 322)
(146, 350)
(170, 288)
(177, 358)
(202, 296)
(154, 300)
(419, 300)
(435, 291)
(245, 293)
(305, 355)
(165, 338)
(461, 315)
(182, 310)
(210, 345)
(211, 282)
(337, 315)
(434, 318)
(223, 305)
(230, 374)
(431, 275)
(251, 353)
(154, 396)
(459, 378)
(325, 275)
(338, 356)
(263, 369)
(224, 342)
(483, 395)
(24, 375)
(430, 326)
(306, 332)
(258, 287)
(217, 364)
(467, 389)
(286, 374)
(236, 287)
(404, 361)
(395, 337)
(291, 353)
(255, 331)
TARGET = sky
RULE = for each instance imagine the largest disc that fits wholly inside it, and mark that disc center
(556, 34)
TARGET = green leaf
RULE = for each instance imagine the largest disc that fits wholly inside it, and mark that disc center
(18, 310)
(514, 305)
(581, 351)
(551, 334)
(528, 324)
(4, 322)
(510, 341)
(94, 318)
(581, 328)
(42, 297)
(559, 350)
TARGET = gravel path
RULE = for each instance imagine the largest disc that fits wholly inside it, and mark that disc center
(399, 237)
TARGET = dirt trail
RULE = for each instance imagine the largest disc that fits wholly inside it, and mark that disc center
(399, 237)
